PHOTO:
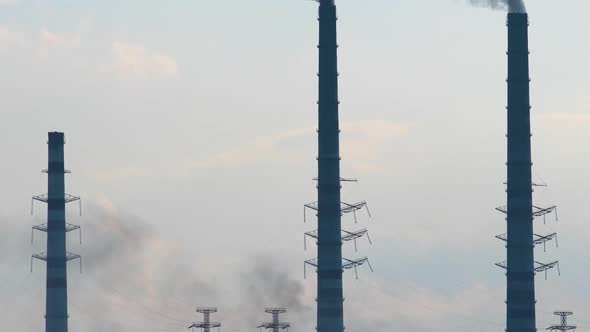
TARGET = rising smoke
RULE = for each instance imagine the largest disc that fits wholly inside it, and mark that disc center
(512, 6)
(159, 282)
(269, 283)
(135, 280)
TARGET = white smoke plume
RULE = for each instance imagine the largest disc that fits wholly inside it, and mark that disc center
(512, 6)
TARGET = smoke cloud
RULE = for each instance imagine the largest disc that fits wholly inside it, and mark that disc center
(512, 6)
(268, 283)
(135, 280)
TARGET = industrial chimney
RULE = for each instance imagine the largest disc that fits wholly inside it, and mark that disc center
(329, 208)
(56, 256)
(330, 315)
(520, 264)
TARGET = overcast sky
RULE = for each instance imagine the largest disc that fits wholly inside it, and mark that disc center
(190, 130)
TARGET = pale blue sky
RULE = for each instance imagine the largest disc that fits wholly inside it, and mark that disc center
(193, 121)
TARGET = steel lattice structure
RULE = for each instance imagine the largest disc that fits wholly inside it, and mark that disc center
(206, 325)
(276, 325)
(564, 326)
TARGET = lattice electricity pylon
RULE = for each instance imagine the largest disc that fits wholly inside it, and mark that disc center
(539, 267)
(276, 324)
(346, 236)
(347, 264)
(344, 209)
(206, 324)
(564, 325)
(538, 239)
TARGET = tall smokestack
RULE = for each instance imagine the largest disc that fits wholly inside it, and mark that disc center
(56, 318)
(520, 274)
(330, 315)
(56, 256)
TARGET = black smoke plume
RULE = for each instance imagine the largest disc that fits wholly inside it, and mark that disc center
(512, 6)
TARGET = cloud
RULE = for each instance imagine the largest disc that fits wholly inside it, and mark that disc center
(280, 147)
(568, 120)
(51, 39)
(10, 37)
(8, 2)
(137, 62)
(38, 43)
(365, 142)
(366, 148)
(362, 144)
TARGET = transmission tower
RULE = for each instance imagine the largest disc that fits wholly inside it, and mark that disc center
(564, 325)
(206, 324)
(276, 325)
(56, 256)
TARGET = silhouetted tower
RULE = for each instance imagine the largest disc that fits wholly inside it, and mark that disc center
(276, 325)
(329, 235)
(206, 324)
(56, 256)
(330, 315)
(564, 325)
(520, 238)
(520, 249)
